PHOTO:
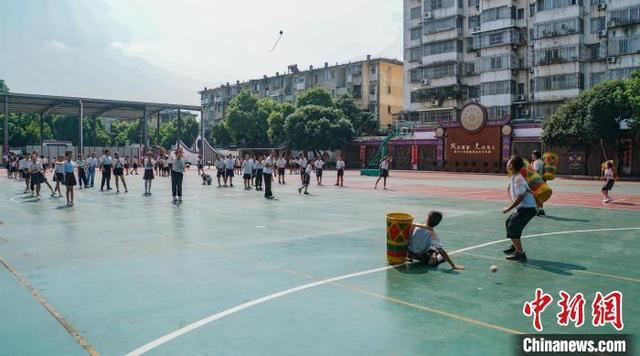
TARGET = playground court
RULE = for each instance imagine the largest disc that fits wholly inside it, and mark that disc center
(230, 273)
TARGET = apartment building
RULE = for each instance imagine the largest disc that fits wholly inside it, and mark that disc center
(519, 58)
(516, 60)
(375, 83)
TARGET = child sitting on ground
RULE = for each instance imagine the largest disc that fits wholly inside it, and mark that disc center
(206, 179)
(425, 244)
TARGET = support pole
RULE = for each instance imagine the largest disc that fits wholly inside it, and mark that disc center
(41, 133)
(202, 133)
(5, 145)
(80, 122)
(179, 126)
(145, 132)
(158, 129)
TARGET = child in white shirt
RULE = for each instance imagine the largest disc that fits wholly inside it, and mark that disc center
(340, 172)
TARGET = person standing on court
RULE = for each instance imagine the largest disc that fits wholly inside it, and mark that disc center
(524, 203)
(92, 163)
(177, 174)
(106, 161)
(267, 174)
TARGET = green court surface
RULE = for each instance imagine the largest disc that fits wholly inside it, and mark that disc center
(229, 273)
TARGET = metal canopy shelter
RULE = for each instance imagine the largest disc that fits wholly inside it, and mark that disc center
(61, 105)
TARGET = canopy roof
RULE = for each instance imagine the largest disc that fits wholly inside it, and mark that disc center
(66, 105)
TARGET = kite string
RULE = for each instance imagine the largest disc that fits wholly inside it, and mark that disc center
(275, 44)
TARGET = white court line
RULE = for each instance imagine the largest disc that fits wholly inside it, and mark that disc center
(217, 316)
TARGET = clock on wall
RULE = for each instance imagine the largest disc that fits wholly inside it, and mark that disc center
(506, 130)
(473, 117)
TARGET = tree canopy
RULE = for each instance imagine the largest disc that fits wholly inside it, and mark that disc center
(313, 127)
(315, 96)
(3, 87)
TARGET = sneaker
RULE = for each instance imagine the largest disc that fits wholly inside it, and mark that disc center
(126, 191)
(607, 200)
(179, 198)
(307, 193)
(299, 191)
(511, 250)
(521, 257)
(53, 195)
(175, 199)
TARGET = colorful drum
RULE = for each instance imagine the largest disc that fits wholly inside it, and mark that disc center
(550, 160)
(538, 186)
(398, 234)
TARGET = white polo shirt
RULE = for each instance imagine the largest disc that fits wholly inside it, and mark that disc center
(268, 165)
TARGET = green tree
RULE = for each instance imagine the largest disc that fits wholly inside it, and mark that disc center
(3, 87)
(362, 121)
(276, 121)
(220, 135)
(247, 119)
(632, 94)
(315, 96)
(591, 118)
(314, 128)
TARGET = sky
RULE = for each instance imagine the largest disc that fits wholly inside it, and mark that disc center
(168, 50)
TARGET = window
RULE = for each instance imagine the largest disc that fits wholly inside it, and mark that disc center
(389, 89)
(372, 90)
(474, 22)
(484, 40)
(440, 70)
(443, 24)
(498, 13)
(498, 112)
(532, 10)
(499, 87)
(416, 13)
(625, 16)
(559, 28)
(622, 73)
(556, 55)
(416, 33)
(544, 110)
(624, 45)
(520, 88)
(597, 78)
(415, 54)
(556, 4)
(474, 3)
(520, 14)
(442, 47)
(415, 75)
(598, 24)
(430, 5)
(435, 116)
(559, 82)
(388, 109)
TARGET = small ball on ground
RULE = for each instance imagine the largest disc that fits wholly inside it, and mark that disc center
(493, 269)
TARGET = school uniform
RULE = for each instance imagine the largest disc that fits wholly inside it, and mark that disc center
(118, 169)
(148, 169)
(384, 169)
(247, 167)
(200, 164)
(220, 168)
(58, 175)
(267, 173)
(37, 177)
(303, 164)
(259, 172)
(306, 175)
(340, 168)
(92, 163)
(318, 164)
(106, 161)
(609, 180)
(524, 212)
(82, 176)
(24, 165)
(69, 176)
(177, 174)
(282, 163)
(229, 165)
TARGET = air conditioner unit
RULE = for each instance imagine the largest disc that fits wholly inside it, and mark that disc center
(478, 7)
(478, 54)
(611, 24)
(426, 81)
(435, 102)
(525, 112)
(428, 15)
(522, 97)
(531, 70)
(602, 33)
(602, 6)
(611, 59)
(476, 29)
(514, 47)
(531, 96)
(514, 72)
